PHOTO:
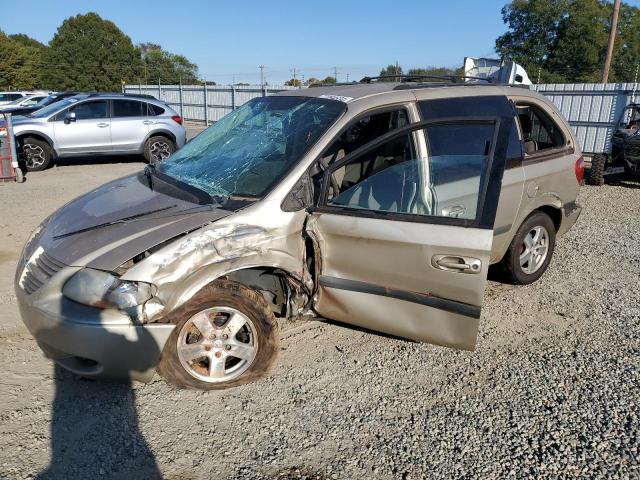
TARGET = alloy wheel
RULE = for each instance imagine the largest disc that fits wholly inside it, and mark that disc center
(534, 250)
(217, 344)
(34, 155)
(159, 151)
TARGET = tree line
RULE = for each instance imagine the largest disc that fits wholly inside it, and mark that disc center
(88, 53)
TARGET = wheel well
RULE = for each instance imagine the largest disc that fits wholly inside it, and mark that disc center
(42, 138)
(554, 213)
(162, 133)
(281, 290)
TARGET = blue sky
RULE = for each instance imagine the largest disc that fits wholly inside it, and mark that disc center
(228, 40)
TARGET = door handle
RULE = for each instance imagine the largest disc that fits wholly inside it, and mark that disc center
(456, 263)
(148, 122)
(103, 125)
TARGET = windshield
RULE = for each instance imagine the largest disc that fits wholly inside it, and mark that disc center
(54, 107)
(17, 101)
(249, 150)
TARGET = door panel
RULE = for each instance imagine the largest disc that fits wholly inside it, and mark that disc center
(129, 125)
(89, 133)
(395, 257)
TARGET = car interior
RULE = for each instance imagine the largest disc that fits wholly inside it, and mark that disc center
(539, 132)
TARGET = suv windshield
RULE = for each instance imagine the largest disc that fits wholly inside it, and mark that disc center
(55, 107)
(249, 150)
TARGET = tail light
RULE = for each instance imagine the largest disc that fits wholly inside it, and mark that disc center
(177, 119)
(580, 170)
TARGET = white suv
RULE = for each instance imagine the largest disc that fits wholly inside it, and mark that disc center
(99, 124)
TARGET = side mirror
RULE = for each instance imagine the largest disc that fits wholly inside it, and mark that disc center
(300, 196)
(70, 117)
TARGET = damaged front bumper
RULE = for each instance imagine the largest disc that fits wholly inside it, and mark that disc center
(90, 342)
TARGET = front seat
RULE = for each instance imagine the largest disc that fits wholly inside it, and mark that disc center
(530, 145)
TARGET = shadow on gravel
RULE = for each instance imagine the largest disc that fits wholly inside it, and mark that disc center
(622, 180)
(94, 424)
(94, 432)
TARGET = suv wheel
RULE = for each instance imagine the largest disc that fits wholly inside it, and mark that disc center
(596, 172)
(158, 148)
(531, 249)
(37, 154)
(225, 336)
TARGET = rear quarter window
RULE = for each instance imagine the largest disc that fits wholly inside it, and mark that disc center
(154, 110)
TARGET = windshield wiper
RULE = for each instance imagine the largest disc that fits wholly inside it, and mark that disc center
(113, 222)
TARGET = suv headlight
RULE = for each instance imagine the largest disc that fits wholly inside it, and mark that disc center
(104, 290)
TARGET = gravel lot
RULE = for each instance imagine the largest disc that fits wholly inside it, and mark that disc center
(551, 391)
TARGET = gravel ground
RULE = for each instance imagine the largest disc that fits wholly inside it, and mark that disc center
(552, 390)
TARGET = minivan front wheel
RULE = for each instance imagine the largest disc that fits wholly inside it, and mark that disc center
(158, 149)
(531, 249)
(225, 336)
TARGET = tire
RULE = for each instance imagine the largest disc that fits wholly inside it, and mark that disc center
(526, 273)
(596, 172)
(201, 360)
(158, 148)
(37, 154)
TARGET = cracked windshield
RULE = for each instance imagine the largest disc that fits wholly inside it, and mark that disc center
(249, 150)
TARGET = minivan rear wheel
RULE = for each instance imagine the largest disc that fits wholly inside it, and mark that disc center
(225, 336)
(158, 148)
(531, 250)
(36, 153)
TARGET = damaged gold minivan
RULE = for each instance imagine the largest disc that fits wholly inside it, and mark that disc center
(376, 204)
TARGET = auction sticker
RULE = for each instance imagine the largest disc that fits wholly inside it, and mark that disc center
(339, 98)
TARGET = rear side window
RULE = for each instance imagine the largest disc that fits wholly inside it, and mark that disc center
(154, 110)
(128, 108)
(539, 132)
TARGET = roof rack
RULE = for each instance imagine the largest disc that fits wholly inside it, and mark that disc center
(409, 78)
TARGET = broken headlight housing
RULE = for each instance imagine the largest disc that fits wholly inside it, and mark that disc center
(104, 290)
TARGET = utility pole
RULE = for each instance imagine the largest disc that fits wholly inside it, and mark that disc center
(294, 77)
(347, 78)
(335, 74)
(612, 41)
(261, 67)
(397, 71)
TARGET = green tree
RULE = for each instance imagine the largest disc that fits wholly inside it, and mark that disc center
(329, 80)
(89, 53)
(565, 40)
(20, 62)
(390, 71)
(533, 29)
(165, 67)
(294, 82)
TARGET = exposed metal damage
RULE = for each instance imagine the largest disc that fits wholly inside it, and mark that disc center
(254, 256)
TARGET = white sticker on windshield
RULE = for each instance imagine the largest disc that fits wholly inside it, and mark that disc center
(339, 98)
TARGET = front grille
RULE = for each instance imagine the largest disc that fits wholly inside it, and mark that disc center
(40, 268)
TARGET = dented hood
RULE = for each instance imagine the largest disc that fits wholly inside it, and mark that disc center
(82, 233)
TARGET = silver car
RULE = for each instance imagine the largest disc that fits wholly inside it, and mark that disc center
(380, 205)
(98, 124)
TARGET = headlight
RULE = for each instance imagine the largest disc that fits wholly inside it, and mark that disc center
(104, 290)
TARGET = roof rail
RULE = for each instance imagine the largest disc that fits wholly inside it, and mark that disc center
(409, 78)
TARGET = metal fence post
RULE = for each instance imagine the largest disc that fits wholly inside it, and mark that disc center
(180, 94)
(206, 106)
(233, 97)
(159, 90)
